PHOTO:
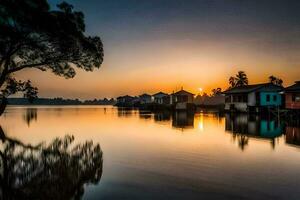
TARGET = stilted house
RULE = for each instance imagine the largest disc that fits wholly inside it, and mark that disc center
(253, 98)
(161, 98)
(145, 98)
(183, 100)
(125, 100)
(292, 96)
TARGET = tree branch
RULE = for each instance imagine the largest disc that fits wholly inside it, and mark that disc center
(26, 66)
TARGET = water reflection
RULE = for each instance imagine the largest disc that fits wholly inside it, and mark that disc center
(125, 112)
(180, 120)
(292, 135)
(243, 127)
(53, 171)
(150, 158)
(162, 116)
(145, 114)
(30, 115)
(183, 120)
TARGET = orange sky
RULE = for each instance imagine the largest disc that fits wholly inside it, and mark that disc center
(150, 47)
(162, 66)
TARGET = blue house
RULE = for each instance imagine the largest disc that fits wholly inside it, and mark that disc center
(253, 98)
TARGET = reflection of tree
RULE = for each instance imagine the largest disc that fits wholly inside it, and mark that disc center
(31, 114)
(243, 141)
(54, 171)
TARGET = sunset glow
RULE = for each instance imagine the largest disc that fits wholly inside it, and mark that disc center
(185, 45)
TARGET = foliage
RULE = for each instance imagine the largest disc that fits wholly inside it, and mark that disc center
(33, 36)
(12, 86)
(240, 79)
(276, 81)
(54, 171)
(216, 91)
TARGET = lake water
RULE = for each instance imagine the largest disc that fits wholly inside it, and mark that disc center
(172, 155)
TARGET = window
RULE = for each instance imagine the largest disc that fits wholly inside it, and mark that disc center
(235, 99)
(240, 98)
(245, 98)
(268, 98)
(268, 126)
(228, 99)
(275, 98)
(296, 97)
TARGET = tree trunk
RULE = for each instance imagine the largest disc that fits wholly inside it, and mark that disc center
(3, 105)
(3, 77)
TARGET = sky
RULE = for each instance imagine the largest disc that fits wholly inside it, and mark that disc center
(163, 45)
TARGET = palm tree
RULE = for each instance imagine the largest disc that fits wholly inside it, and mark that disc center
(275, 80)
(241, 79)
(272, 79)
(216, 91)
(232, 82)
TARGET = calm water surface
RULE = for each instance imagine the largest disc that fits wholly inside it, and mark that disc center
(177, 156)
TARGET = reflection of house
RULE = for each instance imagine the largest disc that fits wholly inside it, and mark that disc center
(253, 97)
(161, 98)
(292, 135)
(183, 120)
(124, 112)
(292, 96)
(145, 98)
(162, 116)
(253, 126)
(182, 99)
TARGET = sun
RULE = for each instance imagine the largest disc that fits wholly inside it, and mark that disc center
(200, 89)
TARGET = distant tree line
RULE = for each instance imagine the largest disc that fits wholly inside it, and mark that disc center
(60, 101)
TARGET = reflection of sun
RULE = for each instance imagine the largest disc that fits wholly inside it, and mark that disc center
(200, 125)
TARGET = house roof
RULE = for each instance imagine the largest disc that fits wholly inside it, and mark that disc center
(145, 95)
(183, 92)
(293, 88)
(160, 94)
(252, 88)
(126, 96)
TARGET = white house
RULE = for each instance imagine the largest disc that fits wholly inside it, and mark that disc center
(161, 98)
(183, 100)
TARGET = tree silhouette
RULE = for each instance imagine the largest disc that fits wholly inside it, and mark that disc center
(33, 36)
(232, 82)
(54, 171)
(216, 91)
(240, 79)
(276, 81)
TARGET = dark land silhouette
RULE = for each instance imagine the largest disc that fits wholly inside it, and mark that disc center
(59, 101)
